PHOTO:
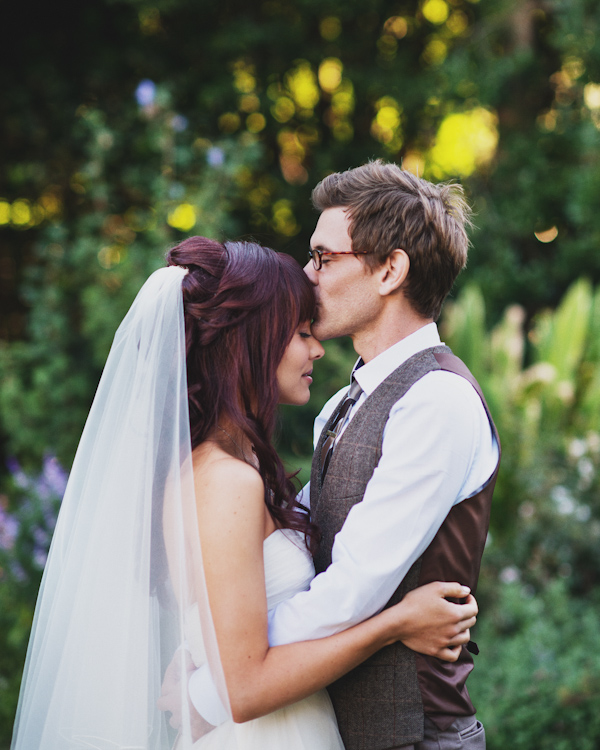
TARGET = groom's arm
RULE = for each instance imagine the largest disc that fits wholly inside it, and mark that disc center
(438, 449)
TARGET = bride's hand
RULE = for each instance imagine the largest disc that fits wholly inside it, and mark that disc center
(435, 626)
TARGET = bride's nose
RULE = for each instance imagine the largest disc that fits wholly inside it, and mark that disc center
(317, 350)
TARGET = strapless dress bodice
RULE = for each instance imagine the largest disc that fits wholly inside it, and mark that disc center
(308, 724)
(288, 565)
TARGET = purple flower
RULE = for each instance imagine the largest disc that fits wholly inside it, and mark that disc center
(9, 528)
(215, 156)
(40, 558)
(52, 481)
(145, 92)
(50, 517)
(41, 488)
(18, 475)
(55, 476)
(34, 518)
(40, 537)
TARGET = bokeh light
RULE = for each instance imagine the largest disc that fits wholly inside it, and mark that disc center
(465, 141)
(436, 11)
(183, 217)
(330, 74)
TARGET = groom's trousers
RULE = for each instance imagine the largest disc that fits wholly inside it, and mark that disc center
(465, 733)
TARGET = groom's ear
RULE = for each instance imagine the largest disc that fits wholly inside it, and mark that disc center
(393, 272)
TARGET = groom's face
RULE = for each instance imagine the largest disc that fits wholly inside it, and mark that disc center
(347, 298)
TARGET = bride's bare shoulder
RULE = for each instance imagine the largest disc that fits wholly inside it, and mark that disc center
(222, 478)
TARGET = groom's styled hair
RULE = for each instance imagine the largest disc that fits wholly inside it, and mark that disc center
(390, 208)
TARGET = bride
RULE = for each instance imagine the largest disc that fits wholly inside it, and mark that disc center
(179, 530)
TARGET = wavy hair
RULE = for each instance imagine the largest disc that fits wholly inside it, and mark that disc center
(242, 305)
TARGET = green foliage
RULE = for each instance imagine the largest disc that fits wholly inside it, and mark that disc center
(88, 270)
(536, 681)
(27, 521)
(128, 124)
(542, 387)
(536, 678)
(15, 623)
(502, 95)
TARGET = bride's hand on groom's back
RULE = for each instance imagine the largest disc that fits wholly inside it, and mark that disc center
(435, 626)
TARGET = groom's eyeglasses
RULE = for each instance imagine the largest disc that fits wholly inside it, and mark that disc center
(317, 255)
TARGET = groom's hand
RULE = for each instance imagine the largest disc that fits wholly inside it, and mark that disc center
(436, 626)
(180, 668)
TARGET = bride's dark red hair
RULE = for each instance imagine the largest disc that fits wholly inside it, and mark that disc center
(242, 305)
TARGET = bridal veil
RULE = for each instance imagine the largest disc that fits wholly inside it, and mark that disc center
(124, 570)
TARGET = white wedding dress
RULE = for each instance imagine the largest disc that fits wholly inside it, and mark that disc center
(309, 724)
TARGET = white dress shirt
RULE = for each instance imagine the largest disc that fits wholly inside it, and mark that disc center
(438, 449)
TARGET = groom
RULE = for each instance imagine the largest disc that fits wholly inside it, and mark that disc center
(401, 484)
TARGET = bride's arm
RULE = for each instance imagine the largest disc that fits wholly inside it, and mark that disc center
(260, 679)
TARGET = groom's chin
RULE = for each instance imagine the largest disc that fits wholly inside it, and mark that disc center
(318, 326)
(323, 331)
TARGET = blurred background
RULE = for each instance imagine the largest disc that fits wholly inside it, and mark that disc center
(127, 125)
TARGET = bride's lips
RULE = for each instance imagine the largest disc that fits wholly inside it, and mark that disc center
(308, 375)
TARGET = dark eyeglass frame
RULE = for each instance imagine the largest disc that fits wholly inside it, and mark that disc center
(317, 255)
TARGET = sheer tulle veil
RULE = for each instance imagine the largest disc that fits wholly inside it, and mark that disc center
(124, 569)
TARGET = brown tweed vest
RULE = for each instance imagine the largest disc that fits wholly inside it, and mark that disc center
(382, 703)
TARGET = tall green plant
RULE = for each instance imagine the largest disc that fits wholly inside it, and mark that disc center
(543, 388)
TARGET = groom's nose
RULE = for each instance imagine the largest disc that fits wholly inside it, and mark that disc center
(309, 270)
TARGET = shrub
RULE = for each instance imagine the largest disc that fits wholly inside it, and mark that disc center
(536, 683)
(26, 525)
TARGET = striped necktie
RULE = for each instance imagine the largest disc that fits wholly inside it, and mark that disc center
(334, 430)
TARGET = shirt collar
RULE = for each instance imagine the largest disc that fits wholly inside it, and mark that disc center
(373, 373)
